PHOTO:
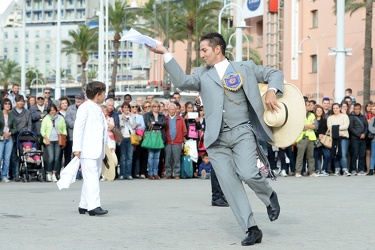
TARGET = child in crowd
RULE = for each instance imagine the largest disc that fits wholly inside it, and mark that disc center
(29, 147)
(205, 167)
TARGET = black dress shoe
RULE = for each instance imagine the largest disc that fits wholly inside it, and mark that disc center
(253, 236)
(219, 203)
(82, 210)
(98, 211)
(273, 209)
(371, 172)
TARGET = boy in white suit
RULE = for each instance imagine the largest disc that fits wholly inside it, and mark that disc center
(89, 137)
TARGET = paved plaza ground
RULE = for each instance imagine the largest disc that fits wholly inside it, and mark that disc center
(316, 213)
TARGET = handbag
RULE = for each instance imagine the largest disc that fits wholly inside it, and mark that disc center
(152, 139)
(192, 131)
(62, 140)
(201, 146)
(139, 132)
(135, 139)
(327, 140)
(118, 135)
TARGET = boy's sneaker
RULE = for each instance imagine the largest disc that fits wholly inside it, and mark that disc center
(337, 173)
(298, 175)
(203, 174)
(346, 172)
(323, 173)
(354, 172)
(54, 179)
(283, 173)
(142, 176)
(362, 173)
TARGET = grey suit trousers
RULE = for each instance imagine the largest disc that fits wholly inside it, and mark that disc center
(233, 156)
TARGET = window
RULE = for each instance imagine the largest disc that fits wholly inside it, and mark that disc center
(37, 34)
(314, 61)
(5, 49)
(314, 18)
(16, 34)
(27, 34)
(15, 49)
(48, 32)
(48, 59)
(5, 35)
(37, 46)
(48, 46)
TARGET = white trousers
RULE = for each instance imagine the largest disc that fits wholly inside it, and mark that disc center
(90, 194)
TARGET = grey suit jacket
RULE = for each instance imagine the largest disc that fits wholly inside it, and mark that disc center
(207, 81)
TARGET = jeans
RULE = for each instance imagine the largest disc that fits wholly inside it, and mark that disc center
(290, 154)
(54, 151)
(372, 158)
(318, 153)
(343, 159)
(137, 160)
(153, 161)
(15, 162)
(357, 151)
(6, 147)
(126, 157)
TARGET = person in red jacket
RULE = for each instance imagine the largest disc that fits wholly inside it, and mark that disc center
(175, 132)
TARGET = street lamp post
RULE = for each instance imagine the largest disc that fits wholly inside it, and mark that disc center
(240, 22)
(300, 51)
(229, 46)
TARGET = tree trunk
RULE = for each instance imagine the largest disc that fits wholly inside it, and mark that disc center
(115, 62)
(189, 49)
(368, 54)
(83, 74)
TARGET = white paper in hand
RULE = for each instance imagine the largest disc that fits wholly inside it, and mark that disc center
(136, 37)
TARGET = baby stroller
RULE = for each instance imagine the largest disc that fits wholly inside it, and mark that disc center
(31, 156)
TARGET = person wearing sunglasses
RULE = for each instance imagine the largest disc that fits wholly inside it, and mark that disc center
(38, 112)
(8, 128)
(47, 96)
(156, 121)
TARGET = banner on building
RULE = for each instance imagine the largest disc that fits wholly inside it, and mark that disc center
(253, 8)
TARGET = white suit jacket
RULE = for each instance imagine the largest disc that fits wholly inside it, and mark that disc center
(90, 131)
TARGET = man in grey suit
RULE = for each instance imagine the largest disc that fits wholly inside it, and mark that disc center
(234, 124)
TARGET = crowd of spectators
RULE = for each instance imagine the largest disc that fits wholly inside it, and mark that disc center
(350, 126)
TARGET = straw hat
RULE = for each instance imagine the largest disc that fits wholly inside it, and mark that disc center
(286, 124)
(109, 173)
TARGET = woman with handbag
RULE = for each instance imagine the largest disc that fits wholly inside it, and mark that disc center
(127, 124)
(156, 122)
(139, 130)
(338, 124)
(320, 150)
(53, 124)
(8, 127)
(193, 125)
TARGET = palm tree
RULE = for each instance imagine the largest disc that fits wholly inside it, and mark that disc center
(10, 72)
(120, 19)
(189, 14)
(352, 6)
(31, 75)
(85, 42)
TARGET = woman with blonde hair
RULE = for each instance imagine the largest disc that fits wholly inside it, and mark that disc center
(156, 121)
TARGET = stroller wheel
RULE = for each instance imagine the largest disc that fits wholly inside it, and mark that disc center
(40, 178)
